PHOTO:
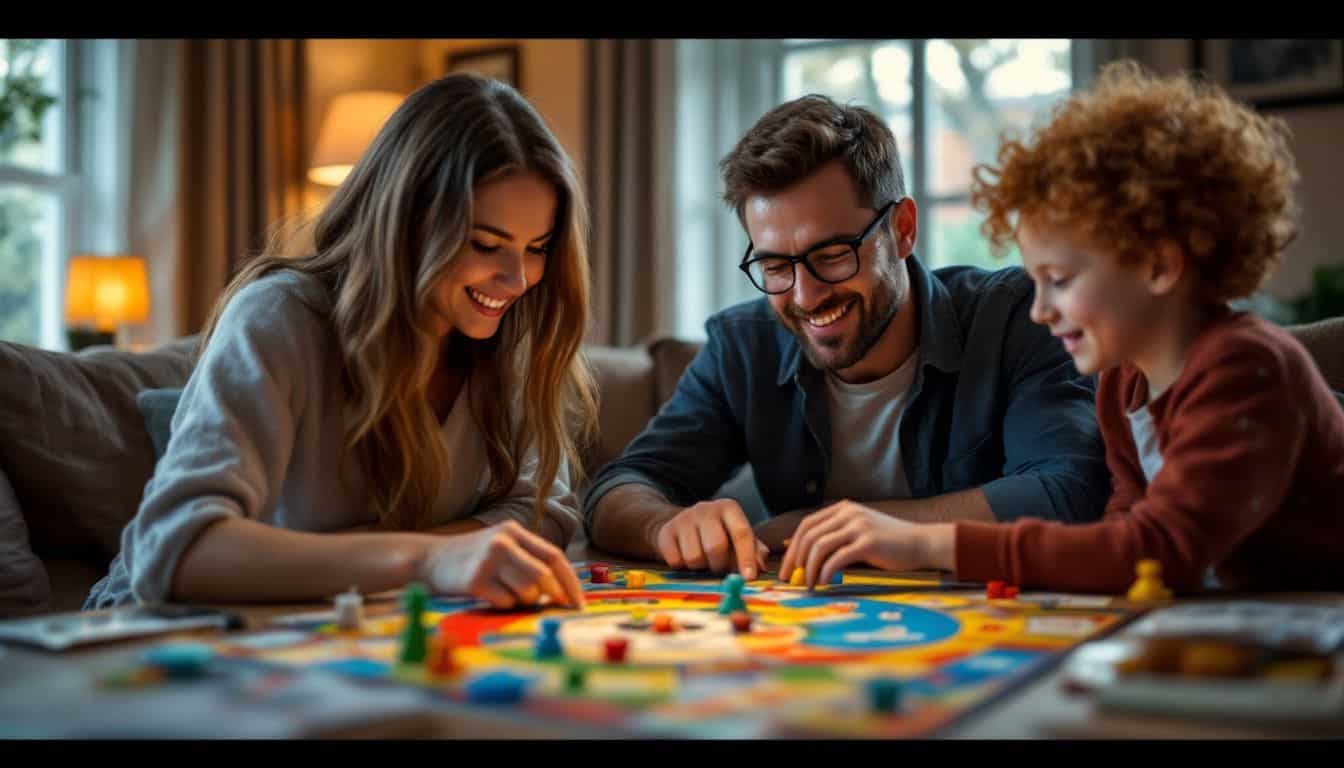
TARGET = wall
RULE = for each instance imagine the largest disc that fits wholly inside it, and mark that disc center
(553, 78)
(336, 66)
(1320, 161)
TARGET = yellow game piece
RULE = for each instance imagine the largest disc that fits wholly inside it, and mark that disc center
(1148, 588)
(798, 578)
(639, 614)
(634, 579)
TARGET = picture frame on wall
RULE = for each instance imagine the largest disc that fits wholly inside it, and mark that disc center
(501, 62)
(1275, 74)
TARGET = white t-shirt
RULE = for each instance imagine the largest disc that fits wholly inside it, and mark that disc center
(866, 460)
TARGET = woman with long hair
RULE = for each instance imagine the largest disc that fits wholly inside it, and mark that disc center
(401, 402)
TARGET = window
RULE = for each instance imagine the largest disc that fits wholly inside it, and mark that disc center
(34, 188)
(947, 101)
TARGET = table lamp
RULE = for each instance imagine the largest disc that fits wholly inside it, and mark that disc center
(101, 293)
(349, 126)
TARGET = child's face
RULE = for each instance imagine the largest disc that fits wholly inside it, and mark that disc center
(1101, 310)
(504, 256)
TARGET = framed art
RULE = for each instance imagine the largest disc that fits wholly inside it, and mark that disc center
(499, 62)
(1275, 73)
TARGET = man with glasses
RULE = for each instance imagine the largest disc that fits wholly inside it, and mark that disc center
(861, 378)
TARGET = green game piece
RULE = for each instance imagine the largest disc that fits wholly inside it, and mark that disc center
(574, 679)
(413, 635)
(732, 595)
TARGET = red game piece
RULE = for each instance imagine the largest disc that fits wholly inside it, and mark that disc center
(994, 591)
(615, 648)
(599, 574)
(1010, 593)
(741, 621)
(440, 661)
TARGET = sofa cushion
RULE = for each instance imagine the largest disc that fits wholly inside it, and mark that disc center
(73, 442)
(626, 401)
(1324, 339)
(24, 587)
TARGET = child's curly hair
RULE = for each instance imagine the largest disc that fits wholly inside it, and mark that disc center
(1139, 158)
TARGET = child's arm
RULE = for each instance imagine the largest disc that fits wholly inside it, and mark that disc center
(1233, 447)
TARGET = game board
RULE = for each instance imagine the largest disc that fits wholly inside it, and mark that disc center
(805, 668)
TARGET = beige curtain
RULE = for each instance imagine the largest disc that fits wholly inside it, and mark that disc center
(630, 164)
(239, 161)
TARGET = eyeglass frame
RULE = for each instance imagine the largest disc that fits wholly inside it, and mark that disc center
(854, 244)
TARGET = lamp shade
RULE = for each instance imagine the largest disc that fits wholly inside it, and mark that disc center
(351, 122)
(106, 291)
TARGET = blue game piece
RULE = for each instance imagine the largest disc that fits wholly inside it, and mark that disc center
(498, 687)
(181, 660)
(884, 694)
(548, 642)
(838, 577)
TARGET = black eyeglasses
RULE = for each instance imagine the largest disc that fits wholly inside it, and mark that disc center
(833, 261)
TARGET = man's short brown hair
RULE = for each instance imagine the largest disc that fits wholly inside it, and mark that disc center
(794, 139)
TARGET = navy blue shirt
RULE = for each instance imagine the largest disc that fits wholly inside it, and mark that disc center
(996, 404)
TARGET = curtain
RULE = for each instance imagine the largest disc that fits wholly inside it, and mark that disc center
(216, 163)
(629, 178)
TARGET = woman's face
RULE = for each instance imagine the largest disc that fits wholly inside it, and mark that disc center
(511, 229)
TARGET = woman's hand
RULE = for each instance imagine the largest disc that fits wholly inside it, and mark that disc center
(506, 565)
(846, 533)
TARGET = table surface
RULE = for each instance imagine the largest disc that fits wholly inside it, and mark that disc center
(1042, 708)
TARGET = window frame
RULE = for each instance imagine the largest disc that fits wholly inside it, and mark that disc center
(64, 184)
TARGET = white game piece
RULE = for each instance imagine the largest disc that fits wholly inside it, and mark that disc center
(349, 610)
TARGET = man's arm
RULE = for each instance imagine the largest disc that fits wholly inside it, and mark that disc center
(627, 520)
(687, 451)
(1054, 459)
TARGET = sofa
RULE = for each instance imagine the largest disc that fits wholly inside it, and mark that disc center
(75, 452)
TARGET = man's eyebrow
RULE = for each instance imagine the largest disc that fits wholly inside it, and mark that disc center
(834, 240)
(506, 235)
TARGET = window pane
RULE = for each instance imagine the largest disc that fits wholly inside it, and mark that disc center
(979, 88)
(957, 240)
(27, 229)
(32, 68)
(875, 75)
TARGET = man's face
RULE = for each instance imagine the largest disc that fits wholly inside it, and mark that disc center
(837, 324)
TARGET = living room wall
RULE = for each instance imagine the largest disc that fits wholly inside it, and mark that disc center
(1320, 160)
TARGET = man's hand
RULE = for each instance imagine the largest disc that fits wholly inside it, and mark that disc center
(714, 535)
(846, 533)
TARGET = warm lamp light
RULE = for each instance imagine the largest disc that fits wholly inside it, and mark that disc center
(104, 292)
(351, 122)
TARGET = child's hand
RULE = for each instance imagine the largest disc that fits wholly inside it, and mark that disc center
(846, 533)
(506, 565)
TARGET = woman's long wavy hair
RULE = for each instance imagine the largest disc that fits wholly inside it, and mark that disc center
(385, 237)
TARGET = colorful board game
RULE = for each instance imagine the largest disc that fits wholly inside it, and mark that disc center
(872, 656)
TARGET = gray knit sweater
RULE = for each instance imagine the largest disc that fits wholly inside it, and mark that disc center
(258, 434)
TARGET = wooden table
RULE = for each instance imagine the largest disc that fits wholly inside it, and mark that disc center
(1040, 709)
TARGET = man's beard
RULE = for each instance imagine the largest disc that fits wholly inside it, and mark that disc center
(846, 351)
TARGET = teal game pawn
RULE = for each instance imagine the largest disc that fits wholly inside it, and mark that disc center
(732, 595)
(413, 635)
(884, 695)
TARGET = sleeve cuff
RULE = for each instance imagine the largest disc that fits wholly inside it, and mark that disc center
(982, 551)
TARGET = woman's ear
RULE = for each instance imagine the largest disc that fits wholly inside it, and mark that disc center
(1167, 265)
